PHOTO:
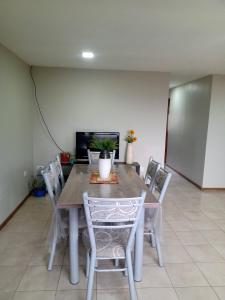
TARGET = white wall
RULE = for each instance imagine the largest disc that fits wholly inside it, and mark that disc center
(187, 128)
(214, 175)
(16, 149)
(74, 100)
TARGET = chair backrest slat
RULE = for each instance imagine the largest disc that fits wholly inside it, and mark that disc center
(56, 168)
(52, 184)
(153, 167)
(162, 180)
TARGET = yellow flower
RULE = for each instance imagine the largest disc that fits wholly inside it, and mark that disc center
(135, 139)
(132, 132)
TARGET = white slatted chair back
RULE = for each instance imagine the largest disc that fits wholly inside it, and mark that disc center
(152, 169)
(58, 226)
(93, 156)
(52, 185)
(59, 166)
(113, 214)
(56, 168)
(162, 180)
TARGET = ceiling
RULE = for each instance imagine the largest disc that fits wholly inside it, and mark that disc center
(185, 38)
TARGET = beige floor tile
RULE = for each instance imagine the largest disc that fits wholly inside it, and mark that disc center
(184, 225)
(220, 248)
(215, 214)
(113, 294)
(157, 294)
(204, 225)
(111, 281)
(175, 217)
(191, 238)
(33, 225)
(38, 295)
(166, 226)
(175, 254)
(196, 293)
(64, 281)
(10, 277)
(21, 239)
(38, 278)
(214, 273)
(154, 276)
(73, 295)
(40, 256)
(170, 238)
(150, 255)
(15, 256)
(6, 295)
(220, 291)
(214, 236)
(193, 215)
(220, 223)
(204, 253)
(184, 275)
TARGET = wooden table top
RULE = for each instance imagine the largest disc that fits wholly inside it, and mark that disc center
(130, 185)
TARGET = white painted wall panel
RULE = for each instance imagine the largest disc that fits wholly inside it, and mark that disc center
(187, 130)
(16, 144)
(73, 100)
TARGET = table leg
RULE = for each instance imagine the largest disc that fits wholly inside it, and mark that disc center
(74, 254)
(139, 245)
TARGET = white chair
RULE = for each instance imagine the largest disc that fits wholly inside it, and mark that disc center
(153, 216)
(56, 168)
(93, 156)
(152, 169)
(112, 225)
(58, 227)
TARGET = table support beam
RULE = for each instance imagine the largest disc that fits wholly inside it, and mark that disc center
(139, 245)
(74, 246)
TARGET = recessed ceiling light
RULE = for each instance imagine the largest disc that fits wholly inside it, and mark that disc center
(88, 54)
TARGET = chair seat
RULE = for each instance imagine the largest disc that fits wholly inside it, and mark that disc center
(110, 244)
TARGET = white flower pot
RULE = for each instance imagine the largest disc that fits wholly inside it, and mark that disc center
(129, 156)
(104, 165)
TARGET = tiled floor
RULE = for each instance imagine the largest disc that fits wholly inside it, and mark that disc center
(193, 246)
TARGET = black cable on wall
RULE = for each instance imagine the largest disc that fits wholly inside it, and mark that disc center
(41, 114)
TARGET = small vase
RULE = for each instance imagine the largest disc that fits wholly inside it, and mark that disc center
(129, 156)
(104, 164)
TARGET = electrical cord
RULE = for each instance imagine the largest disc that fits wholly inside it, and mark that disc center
(41, 114)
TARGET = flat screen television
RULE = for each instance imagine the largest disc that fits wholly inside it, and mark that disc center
(84, 139)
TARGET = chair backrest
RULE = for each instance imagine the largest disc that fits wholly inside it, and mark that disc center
(152, 169)
(113, 214)
(52, 184)
(93, 156)
(162, 180)
(56, 168)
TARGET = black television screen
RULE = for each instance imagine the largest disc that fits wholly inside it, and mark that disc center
(83, 140)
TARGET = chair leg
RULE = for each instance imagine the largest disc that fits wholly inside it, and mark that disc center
(117, 262)
(91, 277)
(152, 239)
(87, 263)
(158, 249)
(125, 272)
(53, 248)
(133, 295)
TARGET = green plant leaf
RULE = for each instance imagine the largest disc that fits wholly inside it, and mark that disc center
(103, 144)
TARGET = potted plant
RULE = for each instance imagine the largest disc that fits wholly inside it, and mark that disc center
(105, 146)
(38, 186)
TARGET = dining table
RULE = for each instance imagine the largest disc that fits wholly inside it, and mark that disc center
(129, 184)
